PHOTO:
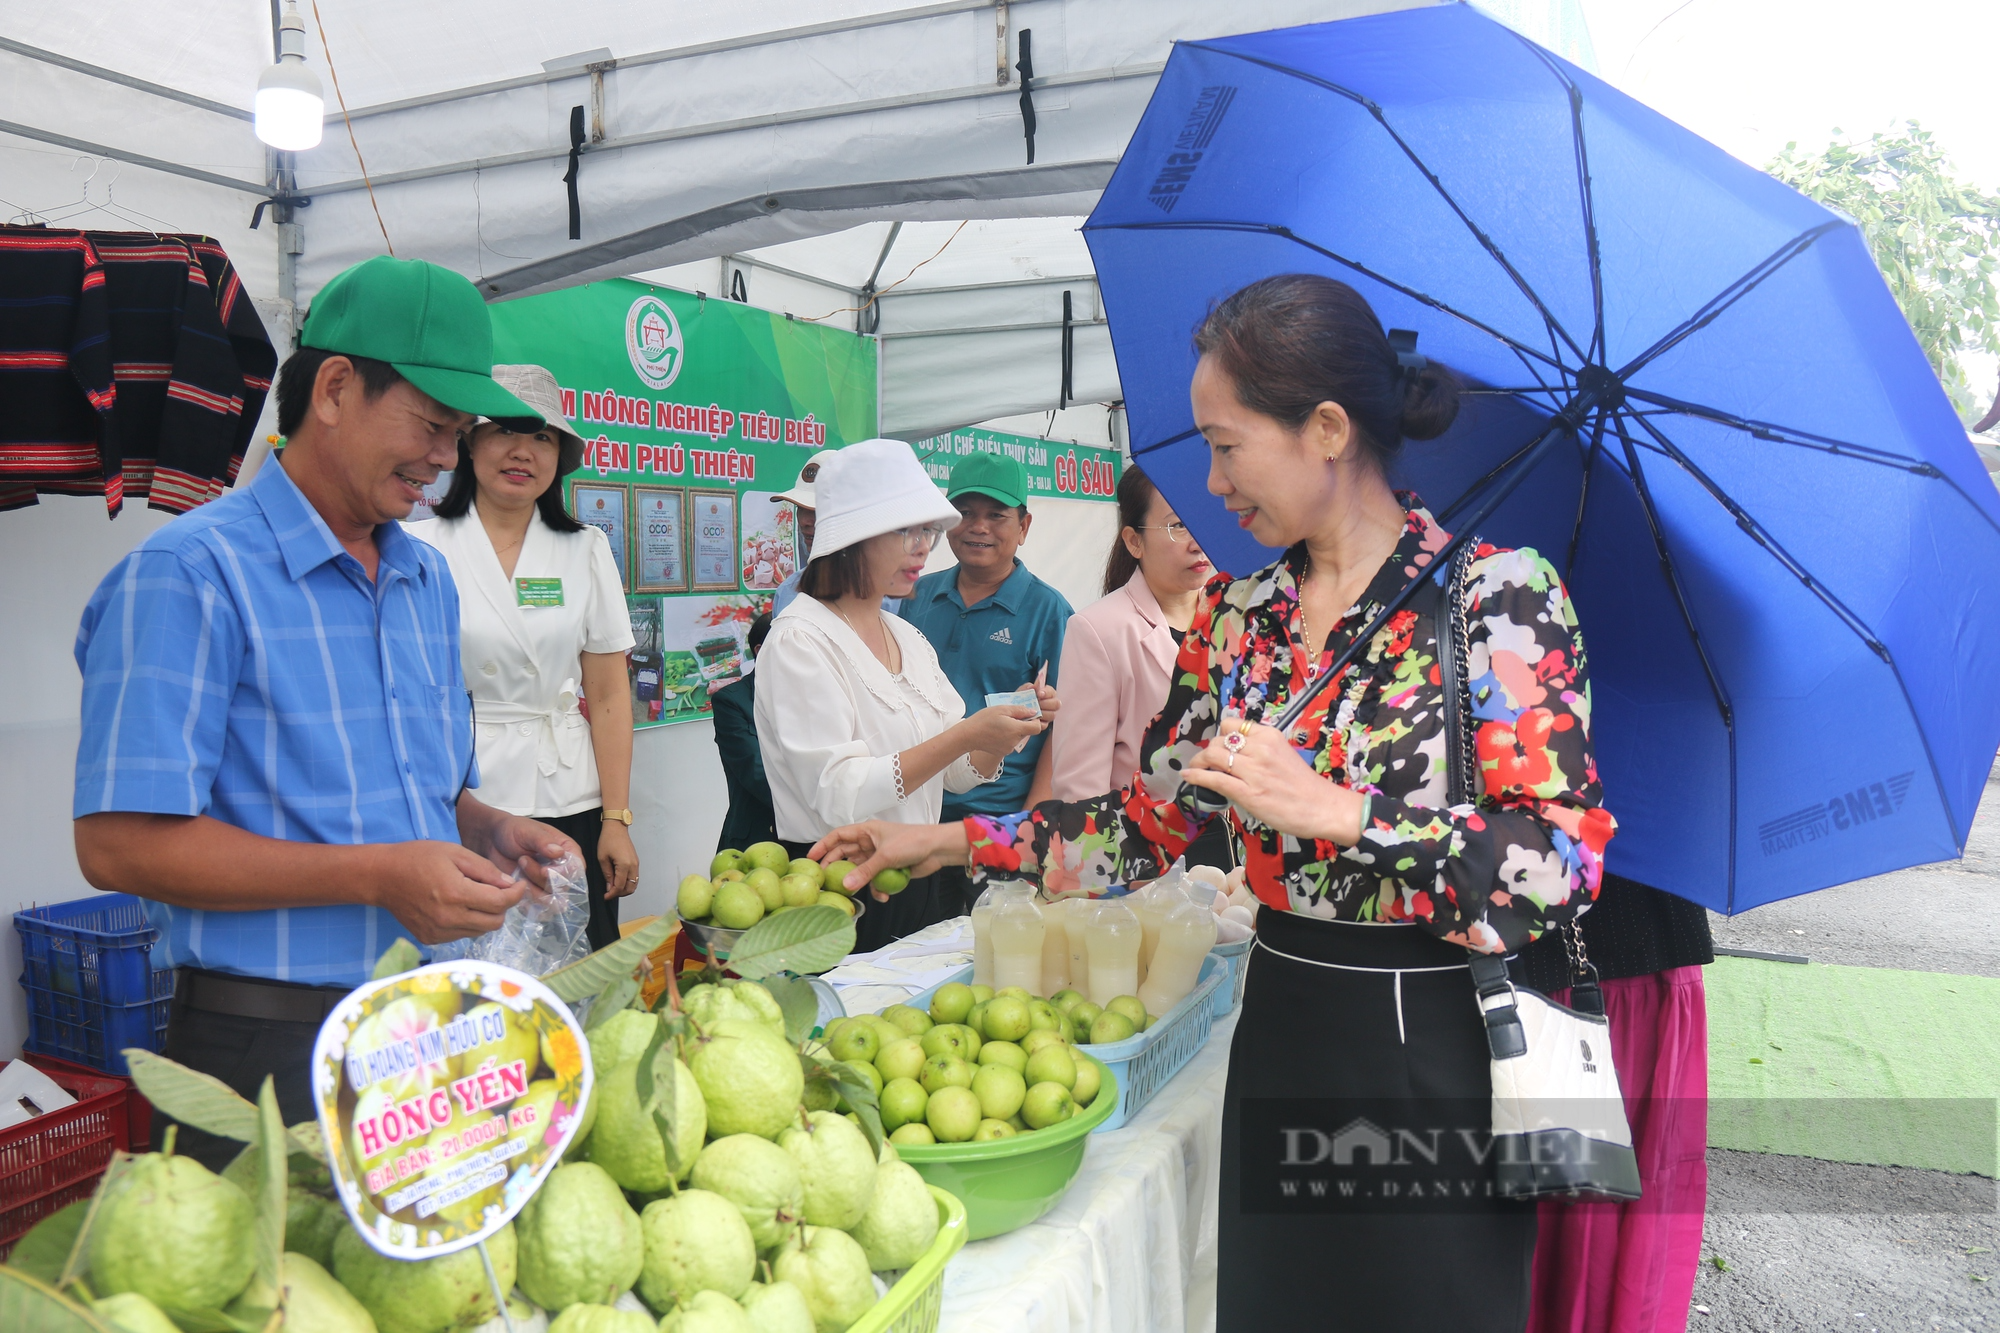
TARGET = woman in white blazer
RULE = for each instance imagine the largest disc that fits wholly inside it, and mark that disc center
(1118, 653)
(543, 627)
(855, 718)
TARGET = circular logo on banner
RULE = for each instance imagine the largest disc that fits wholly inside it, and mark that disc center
(653, 341)
(446, 1096)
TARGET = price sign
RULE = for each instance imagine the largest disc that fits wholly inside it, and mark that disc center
(446, 1096)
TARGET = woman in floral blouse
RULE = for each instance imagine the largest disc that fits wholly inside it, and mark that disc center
(1354, 1188)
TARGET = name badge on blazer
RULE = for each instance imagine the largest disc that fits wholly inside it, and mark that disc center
(538, 592)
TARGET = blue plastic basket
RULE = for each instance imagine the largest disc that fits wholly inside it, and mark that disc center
(1144, 1062)
(1230, 993)
(88, 974)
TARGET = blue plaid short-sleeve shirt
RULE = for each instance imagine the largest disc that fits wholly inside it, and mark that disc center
(239, 664)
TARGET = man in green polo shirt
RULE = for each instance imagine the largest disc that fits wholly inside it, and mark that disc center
(994, 624)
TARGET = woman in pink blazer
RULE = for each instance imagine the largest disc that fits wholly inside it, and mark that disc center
(1119, 652)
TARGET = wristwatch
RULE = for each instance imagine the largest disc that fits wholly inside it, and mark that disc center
(622, 816)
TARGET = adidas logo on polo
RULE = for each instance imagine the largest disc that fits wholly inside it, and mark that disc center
(1001, 635)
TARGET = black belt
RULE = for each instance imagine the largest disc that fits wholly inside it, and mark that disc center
(254, 997)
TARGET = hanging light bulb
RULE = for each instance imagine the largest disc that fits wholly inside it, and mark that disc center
(290, 106)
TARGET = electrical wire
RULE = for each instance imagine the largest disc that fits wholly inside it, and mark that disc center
(880, 292)
(342, 98)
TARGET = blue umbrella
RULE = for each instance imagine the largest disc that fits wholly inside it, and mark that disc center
(1695, 396)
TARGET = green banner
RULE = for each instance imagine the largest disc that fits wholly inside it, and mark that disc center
(1056, 470)
(695, 412)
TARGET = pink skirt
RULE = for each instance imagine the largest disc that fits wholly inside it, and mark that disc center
(1629, 1268)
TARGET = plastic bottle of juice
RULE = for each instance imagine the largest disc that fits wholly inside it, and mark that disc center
(1114, 953)
(1056, 917)
(982, 929)
(1186, 935)
(1152, 904)
(1077, 929)
(1018, 929)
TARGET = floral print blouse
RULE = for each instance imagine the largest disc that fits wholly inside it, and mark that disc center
(1492, 875)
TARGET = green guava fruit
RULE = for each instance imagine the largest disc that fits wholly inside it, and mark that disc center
(619, 1040)
(708, 1312)
(767, 856)
(315, 1303)
(695, 1241)
(311, 1223)
(836, 1166)
(424, 1295)
(750, 1081)
(707, 1003)
(763, 1005)
(831, 1272)
(760, 1178)
(174, 1232)
(625, 1141)
(130, 1312)
(601, 1319)
(777, 1307)
(902, 1218)
(579, 1239)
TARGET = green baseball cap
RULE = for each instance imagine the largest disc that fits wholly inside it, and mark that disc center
(994, 475)
(424, 320)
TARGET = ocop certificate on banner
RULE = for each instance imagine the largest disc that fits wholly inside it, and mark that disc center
(714, 525)
(603, 507)
(661, 539)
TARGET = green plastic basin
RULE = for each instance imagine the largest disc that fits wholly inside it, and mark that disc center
(1008, 1183)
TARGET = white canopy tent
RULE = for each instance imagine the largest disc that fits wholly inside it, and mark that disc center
(854, 161)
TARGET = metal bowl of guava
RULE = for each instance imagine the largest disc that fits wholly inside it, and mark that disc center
(721, 940)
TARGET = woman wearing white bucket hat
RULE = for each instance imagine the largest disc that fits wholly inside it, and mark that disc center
(855, 717)
(542, 622)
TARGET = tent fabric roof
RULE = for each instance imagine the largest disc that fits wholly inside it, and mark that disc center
(716, 128)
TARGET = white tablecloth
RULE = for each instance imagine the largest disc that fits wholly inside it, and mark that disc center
(1131, 1245)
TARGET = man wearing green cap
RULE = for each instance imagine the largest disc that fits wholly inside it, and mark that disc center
(995, 626)
(277, 740)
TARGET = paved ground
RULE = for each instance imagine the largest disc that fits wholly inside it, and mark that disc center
(1826, 1245)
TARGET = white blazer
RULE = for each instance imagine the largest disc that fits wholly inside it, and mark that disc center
(521, 660)
(830, 719)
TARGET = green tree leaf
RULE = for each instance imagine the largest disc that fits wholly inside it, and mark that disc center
(402, 956)
(42, 1253)
(655, 1074)
(34, 1306)
(798, 1001)
(589, 976)
(812, 939)
(79, 1251)
(1934, 238)
(269, 1198)
(207, 1103)
(614, 998)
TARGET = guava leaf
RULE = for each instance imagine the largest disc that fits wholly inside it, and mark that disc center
(207, 1103)
(812, 939)
(29, 1304)
(655, 1074)
(589, 976)
(402, 956)
(799, 1003)
(270, 1200)
(613, 1000)
(860, 1098)
(79, 1250)
(42, 1253)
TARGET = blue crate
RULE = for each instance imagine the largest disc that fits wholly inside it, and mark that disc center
(88, 976)
(97, 948)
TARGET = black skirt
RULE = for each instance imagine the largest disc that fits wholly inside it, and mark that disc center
(1355, 1192)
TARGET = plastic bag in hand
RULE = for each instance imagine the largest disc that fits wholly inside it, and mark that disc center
(546, 930)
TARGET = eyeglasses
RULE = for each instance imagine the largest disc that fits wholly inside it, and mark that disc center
(1176, 532)
(921, 539)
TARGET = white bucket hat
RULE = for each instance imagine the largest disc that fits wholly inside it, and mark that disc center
(870, 488)
(536, 386)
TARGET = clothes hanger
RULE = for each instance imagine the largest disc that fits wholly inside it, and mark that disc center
(130, 217)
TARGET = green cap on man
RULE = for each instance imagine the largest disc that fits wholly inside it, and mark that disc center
(994, 475)
(426, 321)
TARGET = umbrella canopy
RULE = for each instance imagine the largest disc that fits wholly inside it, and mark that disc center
(1779, 543)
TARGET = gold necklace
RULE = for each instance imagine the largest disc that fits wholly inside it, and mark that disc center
(1305, 629)
(857, 629)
